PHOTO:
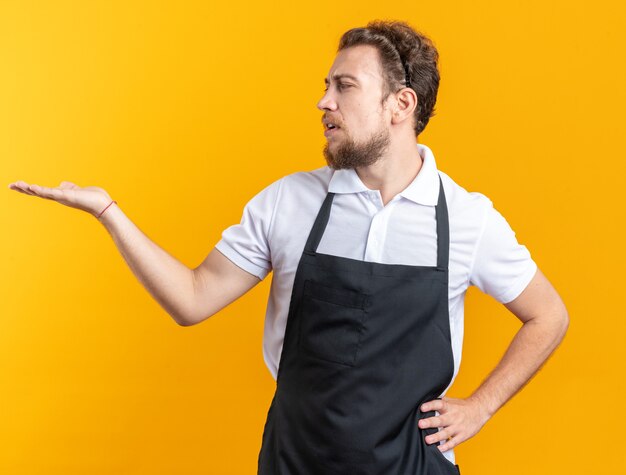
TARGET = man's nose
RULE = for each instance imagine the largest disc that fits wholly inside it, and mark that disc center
(326, 103)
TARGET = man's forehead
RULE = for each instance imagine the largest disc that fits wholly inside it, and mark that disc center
(359, 63)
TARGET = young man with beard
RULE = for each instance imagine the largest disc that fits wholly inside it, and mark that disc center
(371, 258)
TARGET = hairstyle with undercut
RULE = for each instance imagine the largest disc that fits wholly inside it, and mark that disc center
(399, 47)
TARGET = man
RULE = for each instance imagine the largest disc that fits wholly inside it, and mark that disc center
(371, 259)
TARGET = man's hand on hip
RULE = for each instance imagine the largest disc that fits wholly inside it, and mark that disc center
(459, 419)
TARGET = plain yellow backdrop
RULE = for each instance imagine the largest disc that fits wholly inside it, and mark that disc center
(183, 111)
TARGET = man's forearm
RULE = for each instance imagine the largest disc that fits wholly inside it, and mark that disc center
(529, 350)
(168, 280)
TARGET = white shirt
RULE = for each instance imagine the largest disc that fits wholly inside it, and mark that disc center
(276, 223)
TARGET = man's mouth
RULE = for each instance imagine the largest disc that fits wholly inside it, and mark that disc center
(330, 128)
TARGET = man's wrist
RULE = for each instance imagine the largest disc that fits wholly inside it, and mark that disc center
(486, 407)
(107, 212)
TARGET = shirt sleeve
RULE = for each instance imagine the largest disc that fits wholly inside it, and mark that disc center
(247, 244)
(502, 266)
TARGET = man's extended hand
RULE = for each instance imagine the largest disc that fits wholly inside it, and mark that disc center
(92, 199)
(459, 418)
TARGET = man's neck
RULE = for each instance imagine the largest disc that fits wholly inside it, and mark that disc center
(392, 173)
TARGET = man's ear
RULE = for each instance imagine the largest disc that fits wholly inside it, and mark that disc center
(405, 104)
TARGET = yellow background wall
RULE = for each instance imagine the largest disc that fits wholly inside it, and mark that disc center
(183, 111)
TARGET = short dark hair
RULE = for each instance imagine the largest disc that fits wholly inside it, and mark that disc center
(398, 44)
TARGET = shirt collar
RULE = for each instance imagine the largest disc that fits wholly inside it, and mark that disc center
(424, 189)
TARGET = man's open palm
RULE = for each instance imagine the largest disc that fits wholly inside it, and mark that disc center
(90, 198)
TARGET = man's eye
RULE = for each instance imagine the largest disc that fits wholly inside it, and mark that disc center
(340, 86)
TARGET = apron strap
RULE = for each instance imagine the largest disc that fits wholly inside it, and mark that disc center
(441, 213)
(443, 229)
(315, 236)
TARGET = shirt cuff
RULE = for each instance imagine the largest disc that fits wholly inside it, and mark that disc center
(241, 261)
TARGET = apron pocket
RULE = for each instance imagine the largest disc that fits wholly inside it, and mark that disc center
(331, 323)
(450, 467)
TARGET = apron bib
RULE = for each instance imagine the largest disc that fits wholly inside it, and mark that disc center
(365, 345)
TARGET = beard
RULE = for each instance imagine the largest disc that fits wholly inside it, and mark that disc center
(350, 154)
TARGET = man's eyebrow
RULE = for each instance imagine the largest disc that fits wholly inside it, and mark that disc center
(340, 76)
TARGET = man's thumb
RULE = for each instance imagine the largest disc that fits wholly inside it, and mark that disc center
(68, 185)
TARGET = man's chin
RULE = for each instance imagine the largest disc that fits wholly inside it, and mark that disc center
(330, 160)
(331, 164)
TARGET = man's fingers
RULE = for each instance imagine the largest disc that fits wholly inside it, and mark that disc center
(22, 187)
(438, 436)
(38, 190)
(452, 442)
(435, 421)
(48, 193)
(434, 405)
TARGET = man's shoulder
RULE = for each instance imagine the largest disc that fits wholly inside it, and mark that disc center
(319, 177)
(463, 203)
(305, 184)
(300, 183)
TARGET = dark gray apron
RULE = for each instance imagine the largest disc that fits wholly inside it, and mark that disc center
(365, 345)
